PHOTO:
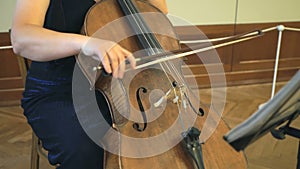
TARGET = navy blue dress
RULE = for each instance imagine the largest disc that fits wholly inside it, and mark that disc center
(47, 99)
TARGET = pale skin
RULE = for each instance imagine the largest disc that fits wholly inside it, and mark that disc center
(31, 40)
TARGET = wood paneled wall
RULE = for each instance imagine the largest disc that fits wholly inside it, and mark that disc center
(244, 63)
(11, 85)
(251, 61)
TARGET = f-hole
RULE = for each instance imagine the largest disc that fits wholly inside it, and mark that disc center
(136, 126)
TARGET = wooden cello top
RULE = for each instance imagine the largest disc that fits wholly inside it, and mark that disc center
(217, 154)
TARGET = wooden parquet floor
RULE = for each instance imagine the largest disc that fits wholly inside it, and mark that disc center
(241, 102)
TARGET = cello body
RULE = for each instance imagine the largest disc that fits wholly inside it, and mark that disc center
(146, 136)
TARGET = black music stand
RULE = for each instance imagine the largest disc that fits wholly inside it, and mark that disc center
(275, 117)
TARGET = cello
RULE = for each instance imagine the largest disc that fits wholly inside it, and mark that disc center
(156, 121)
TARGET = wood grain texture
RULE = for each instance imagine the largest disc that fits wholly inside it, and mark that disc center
(249, 62)
(241, 102)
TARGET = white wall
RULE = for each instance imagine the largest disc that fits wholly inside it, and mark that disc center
(206, 12)
(6, 14)
(256, 11)
(199, 12)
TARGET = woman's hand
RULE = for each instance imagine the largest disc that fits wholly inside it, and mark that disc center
(111, 55)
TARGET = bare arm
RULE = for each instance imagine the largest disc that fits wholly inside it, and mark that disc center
(31, 40)
(161, 4)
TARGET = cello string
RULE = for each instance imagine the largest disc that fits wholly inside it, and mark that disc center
(157, 49)
(141, 27)
(188, 92)
(136, 18)
(182, 86)
(131, 11)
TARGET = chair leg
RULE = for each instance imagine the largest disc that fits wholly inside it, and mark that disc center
(34, 153)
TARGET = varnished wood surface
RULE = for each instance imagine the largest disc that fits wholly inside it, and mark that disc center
(249, 62)
(241, 102)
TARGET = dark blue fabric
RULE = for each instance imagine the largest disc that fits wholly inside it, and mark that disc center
(47, 99)
(53, 120)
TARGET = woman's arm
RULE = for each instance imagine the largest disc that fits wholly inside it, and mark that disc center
(161, 4)
(31, 40)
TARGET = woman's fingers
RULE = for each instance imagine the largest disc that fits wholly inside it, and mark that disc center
(130, 58)
(117, 61)
(111, 55)
(114, 63)
(106, 64)
(121, 69)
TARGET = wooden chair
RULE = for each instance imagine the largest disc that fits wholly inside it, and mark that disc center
(37, 150)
